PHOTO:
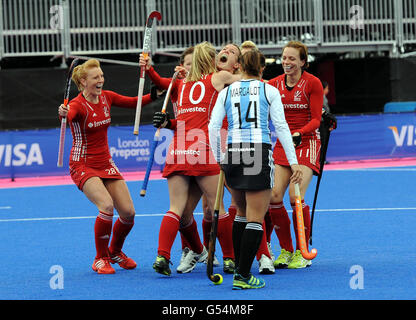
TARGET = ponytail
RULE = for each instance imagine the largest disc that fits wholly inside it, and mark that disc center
(203, 61)
(252, 62)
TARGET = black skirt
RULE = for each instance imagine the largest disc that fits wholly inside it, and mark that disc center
(249, 166)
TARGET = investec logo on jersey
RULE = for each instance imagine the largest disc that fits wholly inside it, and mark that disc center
(406, 135)
(192, 109)
(99, 123)
(295, 105)
(20, 154)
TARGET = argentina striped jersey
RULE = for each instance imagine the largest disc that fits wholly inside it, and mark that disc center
(248, 105)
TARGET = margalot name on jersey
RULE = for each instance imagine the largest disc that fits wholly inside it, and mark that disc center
(20, 154)
(244, 91)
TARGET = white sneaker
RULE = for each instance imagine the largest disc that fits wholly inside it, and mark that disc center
(185, 252)
(266, 265)
(190, 261)
(269, 246)
(215, 263)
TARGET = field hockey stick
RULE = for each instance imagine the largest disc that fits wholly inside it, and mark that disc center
(146, 49)
(74, 63)
(215, 278)
(318, 182)
(156, 139)
(301, 227)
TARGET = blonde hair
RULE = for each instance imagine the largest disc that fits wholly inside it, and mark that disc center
(248, 45)
(251, 45)
(80, 71)
(203, 61)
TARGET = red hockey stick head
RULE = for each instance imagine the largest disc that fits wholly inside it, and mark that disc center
(152, 15)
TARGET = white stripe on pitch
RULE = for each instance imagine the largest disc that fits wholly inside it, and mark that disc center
(200, 213)
(79, 218)
(376, 169)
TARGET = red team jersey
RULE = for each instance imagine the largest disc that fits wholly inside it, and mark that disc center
(189, 152)
(303, 112)
(89, 122)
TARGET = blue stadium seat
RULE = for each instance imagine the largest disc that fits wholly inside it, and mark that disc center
(408, 106)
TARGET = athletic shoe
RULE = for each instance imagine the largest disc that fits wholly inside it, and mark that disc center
(269, 246)
(251, 282)
(215, 262)
(266, 265)
(190, 261)
(183, 260)
(298, 261)
(122, 260)
(185, 251)
(103, 266)
(283, 259)
(161, 265)
(229, 265)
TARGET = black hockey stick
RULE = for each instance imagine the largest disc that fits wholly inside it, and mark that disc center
(321, 169)
(216, 278)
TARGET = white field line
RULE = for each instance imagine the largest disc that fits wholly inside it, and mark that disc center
(374, 169)
(199, 213)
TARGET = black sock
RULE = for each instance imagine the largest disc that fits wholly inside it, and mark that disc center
(239, 225)
(250, 242)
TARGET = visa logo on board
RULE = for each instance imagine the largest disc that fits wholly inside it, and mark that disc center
(405, 136)
(20, 155)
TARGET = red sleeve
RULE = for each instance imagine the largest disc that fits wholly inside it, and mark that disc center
(75, 112)
(162, 83)
(316, 100)
(121, 101)
(146, 99)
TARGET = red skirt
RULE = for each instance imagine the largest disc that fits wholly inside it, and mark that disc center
(80, 172)
(191, 159)
(308, 154)
(195, 170)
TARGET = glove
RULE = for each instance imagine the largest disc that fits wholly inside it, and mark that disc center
(329, 121)
(161, 120)
(297, 140)
(156, 93)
